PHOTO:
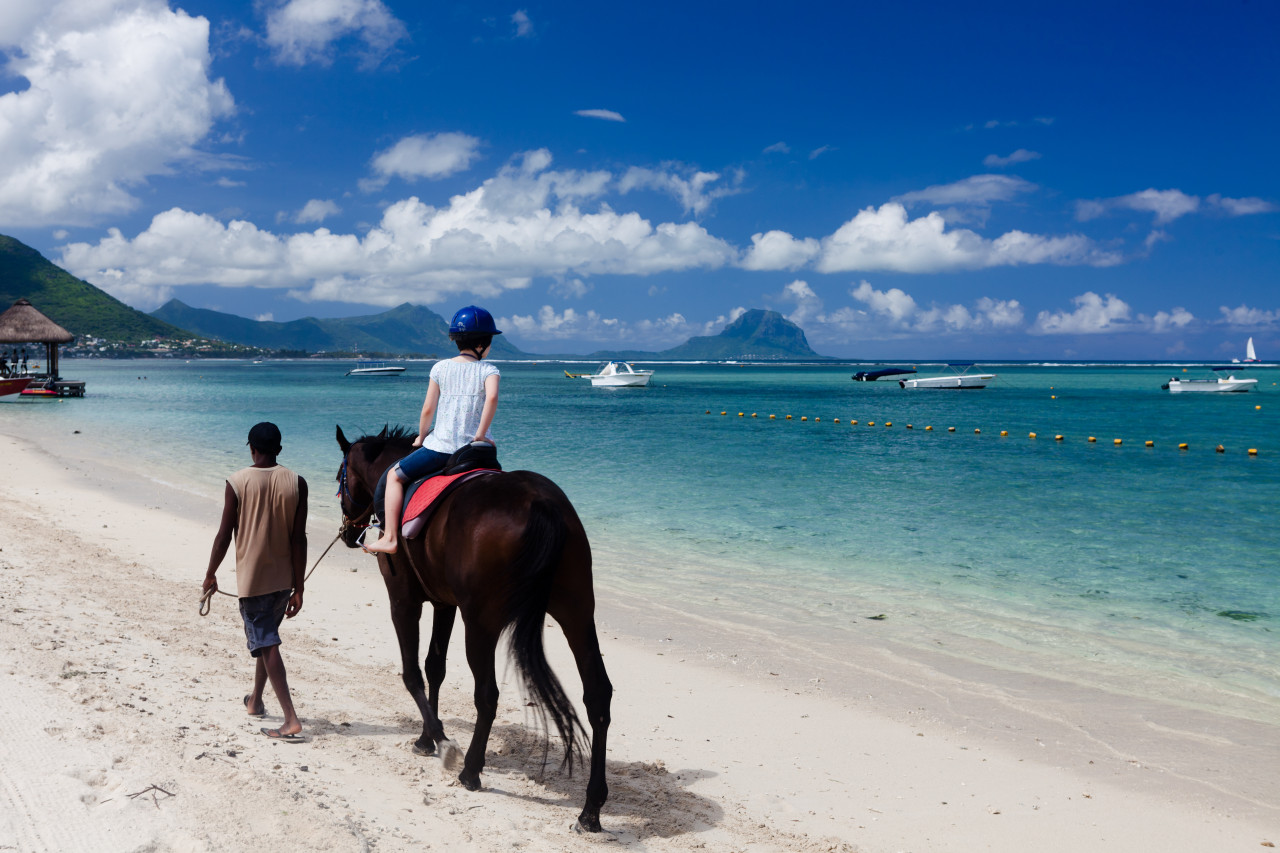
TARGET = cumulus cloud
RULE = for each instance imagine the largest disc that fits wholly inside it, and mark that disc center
(425, 155)
(1022, 155)
(1094, 314)
(117, 92)
(669, 331)
(573, 288)
(886, 239)
(304, 31)
(523, 222)
(1248, 317)
(1167, 205)
(778, 250)
(317, 210)
(607, 115)
(1167, 321)
(691, 187)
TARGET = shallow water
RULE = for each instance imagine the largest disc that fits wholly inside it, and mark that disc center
(1122, 565)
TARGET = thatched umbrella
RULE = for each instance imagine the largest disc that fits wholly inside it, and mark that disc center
(23, 324)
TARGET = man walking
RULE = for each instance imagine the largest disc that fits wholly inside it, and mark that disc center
(265, 509)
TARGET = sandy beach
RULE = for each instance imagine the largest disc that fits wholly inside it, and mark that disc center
(123, 728)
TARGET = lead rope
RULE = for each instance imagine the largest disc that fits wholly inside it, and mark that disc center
(206, 599)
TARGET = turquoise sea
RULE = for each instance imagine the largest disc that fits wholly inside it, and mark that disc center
(1150, 570)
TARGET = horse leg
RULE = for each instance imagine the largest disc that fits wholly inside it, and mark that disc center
(441, 630)
(481, 648)
(405, 615)
(597, 694)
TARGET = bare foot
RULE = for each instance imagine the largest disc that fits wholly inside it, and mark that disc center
(385, 545)
(294, 736)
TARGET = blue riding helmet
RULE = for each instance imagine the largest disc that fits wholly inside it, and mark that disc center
(473, 320)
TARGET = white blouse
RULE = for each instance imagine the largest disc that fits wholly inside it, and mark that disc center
(461, 403)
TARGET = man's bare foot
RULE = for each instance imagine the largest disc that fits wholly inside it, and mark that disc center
(255, 711)
(283, 734)
(385, 545)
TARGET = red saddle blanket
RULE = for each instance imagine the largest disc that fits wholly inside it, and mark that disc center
(425, 496)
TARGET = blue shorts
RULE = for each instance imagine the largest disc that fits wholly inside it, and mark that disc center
(420, 463)
(262, 616)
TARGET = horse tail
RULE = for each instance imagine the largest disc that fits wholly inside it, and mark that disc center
(533, 574)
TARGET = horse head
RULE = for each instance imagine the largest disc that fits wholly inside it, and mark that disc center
(363, 463)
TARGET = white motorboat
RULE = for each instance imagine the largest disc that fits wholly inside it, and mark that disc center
(375, 368)
(615, 374)
(960, 377)
(1217, 385)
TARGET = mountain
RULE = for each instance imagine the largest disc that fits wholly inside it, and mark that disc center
(74, 304)
(756, 335)
(403, 330)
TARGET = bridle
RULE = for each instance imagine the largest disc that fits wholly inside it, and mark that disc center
(356, 520)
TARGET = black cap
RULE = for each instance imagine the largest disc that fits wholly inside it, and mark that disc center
(265, 438)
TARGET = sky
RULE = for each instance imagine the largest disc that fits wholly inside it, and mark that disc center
(903, 180)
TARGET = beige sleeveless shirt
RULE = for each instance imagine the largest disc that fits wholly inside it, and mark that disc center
(268, 504)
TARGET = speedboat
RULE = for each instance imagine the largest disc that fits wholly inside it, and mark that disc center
(14, 385)
(1218, 384)
(873, 375)
(615, 374)
(960, 377)
(375, 368)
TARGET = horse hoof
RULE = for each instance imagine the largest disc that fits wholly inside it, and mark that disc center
(451, 755)
(588, 823)
(471, 783)
(419, 749)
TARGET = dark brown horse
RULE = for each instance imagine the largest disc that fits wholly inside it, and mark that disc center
(507, 550)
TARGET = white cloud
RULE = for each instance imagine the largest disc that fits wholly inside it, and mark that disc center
(317, 210)
(573, 288)
(894, 313)
(1094, 314)
(607, 115)
(304, 31)
(976, 190)
(1241, 206)
(808, 304)
(1167, 205)
(523, 222)
(818, 152)
(691, 187)
(1167, 321)
(885, 239)
(590, 326)
(266, 317)
(1022, 155)
(778, 250)
(118, 92)
(1249, 317)
(227, 183)
(778, 148)
(424, 155)
(524, 26)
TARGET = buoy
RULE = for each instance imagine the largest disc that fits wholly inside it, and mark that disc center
(1031, 435)
(871, 423)
(1092, 439)
(1183, 446)
(1220, 449)
(888, 423)
(1118, 441)
(815, 420)
(1057, 438)
(1004, 432)
(772, 417)
(909, 426)
(1258, 408)
(708, 411)
(853, 423)
(837, 420)
(753, 414)
(804, 417)
(724, 413)
(1053, 396)
(928, 429)
(1253, 451)
(1151, 444)
(788, 417)
(951, 429)
(977, 432)
(739, 414)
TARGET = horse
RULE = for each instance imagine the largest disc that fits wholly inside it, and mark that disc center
(507, 549)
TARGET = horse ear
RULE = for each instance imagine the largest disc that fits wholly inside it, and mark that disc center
(342, 441)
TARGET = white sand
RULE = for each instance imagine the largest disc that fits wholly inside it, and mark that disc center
(121, 725)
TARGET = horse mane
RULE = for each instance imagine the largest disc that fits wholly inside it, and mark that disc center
(389, 435)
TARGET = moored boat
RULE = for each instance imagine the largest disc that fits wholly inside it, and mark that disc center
(1218, 384)
(615, 374)
(375, 368)
(960, 377)
(14, 385)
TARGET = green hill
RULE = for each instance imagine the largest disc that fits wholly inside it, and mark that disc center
(403, 330)
(74, 304)
(755, 336)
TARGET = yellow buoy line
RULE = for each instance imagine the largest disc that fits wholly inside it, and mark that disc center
(1004, 433)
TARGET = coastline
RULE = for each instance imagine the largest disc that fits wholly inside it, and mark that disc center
(724, 736)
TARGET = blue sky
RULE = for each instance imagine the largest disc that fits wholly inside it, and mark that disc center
(905, 180)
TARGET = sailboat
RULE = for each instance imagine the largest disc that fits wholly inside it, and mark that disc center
(1250, 357)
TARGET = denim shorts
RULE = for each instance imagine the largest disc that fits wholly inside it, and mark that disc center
(262, 616)
(420, 463)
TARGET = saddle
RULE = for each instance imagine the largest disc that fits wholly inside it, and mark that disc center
(422, 496)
